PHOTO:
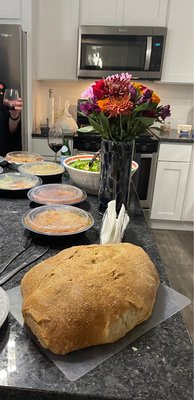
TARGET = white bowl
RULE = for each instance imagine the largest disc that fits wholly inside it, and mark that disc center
(88, 180)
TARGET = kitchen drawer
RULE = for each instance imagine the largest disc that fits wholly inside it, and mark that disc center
(175, 152)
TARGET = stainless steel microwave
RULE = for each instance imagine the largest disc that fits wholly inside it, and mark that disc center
(108, 50)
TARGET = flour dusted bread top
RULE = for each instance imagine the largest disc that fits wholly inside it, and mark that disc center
(88, 295)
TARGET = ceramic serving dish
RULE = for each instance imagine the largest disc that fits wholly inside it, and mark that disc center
(88, 180)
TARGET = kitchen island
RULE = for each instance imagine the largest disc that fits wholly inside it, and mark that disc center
(157, 366)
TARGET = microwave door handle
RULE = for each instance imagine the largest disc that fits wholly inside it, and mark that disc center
(148, 53)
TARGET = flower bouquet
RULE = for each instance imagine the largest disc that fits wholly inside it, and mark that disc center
(119, 110)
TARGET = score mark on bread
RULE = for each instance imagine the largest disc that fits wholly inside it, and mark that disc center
(88, 295)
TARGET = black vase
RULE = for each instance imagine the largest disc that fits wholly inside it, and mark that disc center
(115, 175)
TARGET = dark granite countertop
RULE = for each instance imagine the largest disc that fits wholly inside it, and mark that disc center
(172, 136)
(160, 369)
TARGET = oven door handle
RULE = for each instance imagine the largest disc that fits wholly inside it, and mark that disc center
(144, 155)
(148, 53)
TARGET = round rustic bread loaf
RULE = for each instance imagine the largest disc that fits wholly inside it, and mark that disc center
(88, 295)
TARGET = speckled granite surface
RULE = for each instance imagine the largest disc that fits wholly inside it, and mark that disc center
(172, 136)
(160, 368)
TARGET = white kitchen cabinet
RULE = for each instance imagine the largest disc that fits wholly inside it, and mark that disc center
(10, 9)
(169, 190)
(100, 12)
(188, 206)
(172, 205)
(178, 64)
(145, 13)
(57, 32)
(123, 12)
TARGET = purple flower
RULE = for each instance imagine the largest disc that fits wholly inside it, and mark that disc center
(148, 94)
(132, 90)
(165, 112)
(89, 107)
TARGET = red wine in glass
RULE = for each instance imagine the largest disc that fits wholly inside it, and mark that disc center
(55, 146)
(55, 139)
(9, 98)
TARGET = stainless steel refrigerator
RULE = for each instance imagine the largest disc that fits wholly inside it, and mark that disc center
(13, 72)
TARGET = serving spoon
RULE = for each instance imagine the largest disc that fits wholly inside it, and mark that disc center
(94, 158)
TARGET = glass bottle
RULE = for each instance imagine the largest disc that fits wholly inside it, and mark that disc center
(65, 151)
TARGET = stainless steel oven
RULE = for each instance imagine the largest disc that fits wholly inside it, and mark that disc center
(145, 177)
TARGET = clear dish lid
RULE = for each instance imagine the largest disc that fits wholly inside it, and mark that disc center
(42, 168)
(18, 181)
(57, 194)
(20, 157)
(57, 220)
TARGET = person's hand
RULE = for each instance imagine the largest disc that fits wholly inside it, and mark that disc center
(18, 108)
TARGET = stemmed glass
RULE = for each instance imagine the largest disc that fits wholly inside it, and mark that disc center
(10, 97)
(55, 139)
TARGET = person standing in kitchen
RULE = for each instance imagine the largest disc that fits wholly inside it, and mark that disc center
(10, 125)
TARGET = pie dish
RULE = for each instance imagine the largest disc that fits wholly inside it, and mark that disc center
(47, 171)
(16, 158)
(56, 194)
(57, 220)
(15, 181)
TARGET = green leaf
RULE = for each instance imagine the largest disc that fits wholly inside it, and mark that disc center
(95, 125)
(143, 106)
(104, 121)
(146, 121)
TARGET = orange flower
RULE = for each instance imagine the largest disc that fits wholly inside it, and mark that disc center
(102, 104)
(139, 86)
(155, 98)
(116, 106)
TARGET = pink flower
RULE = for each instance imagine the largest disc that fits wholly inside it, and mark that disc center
(88, 93)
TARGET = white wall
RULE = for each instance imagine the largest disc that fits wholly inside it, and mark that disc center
(179, 96)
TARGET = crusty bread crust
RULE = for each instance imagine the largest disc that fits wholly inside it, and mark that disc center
(88, 295)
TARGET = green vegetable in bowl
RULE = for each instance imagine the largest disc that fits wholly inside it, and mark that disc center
(84, 165)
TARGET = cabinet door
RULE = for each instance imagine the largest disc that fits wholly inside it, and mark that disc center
(10, 9)
(57, 39)
(178, 60)
(188, 206)
(145, 13)
(169, 190)
(100, 12)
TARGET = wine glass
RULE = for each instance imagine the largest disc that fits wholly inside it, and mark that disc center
(55, 139)
(10, 97)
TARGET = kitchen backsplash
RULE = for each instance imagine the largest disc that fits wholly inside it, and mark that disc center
(180, 98)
